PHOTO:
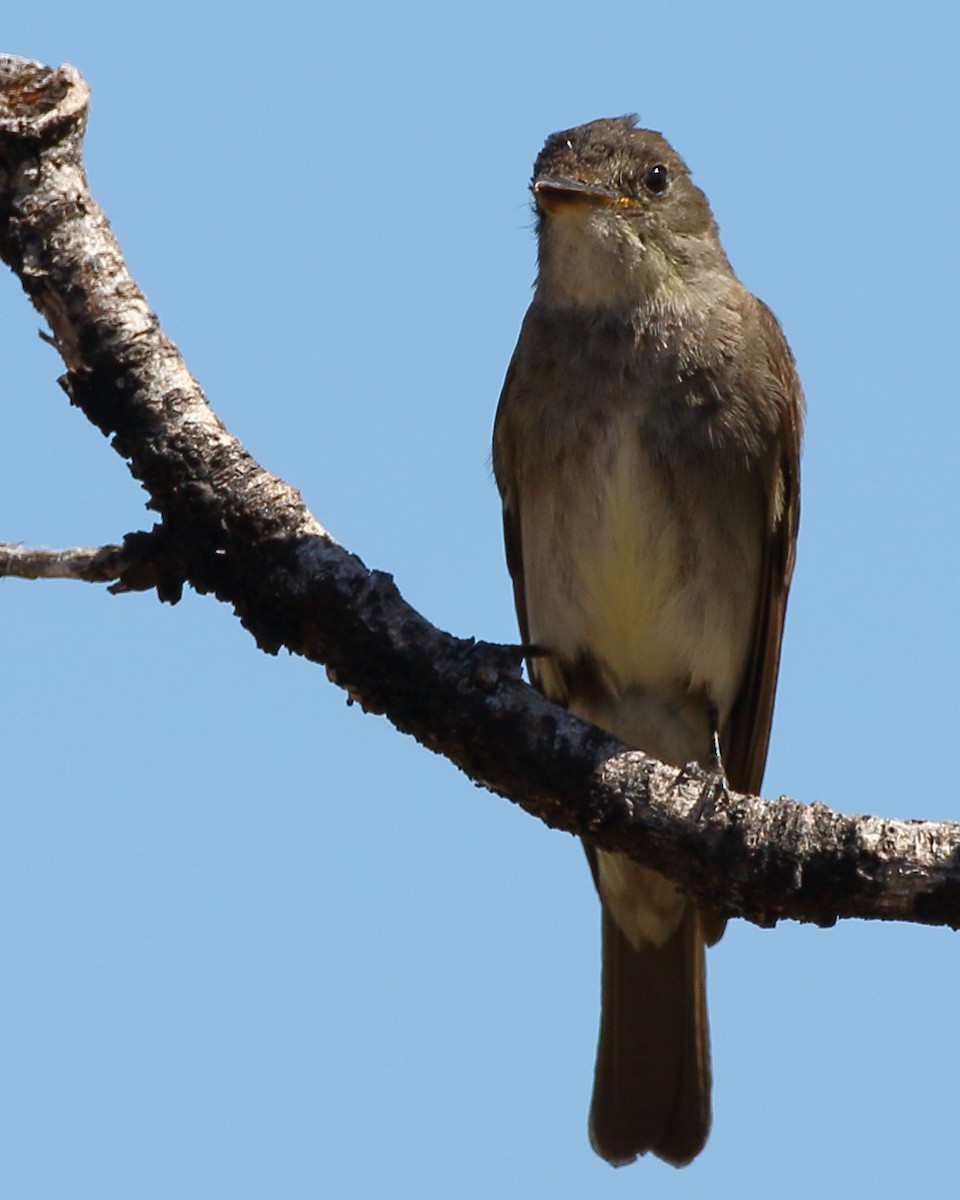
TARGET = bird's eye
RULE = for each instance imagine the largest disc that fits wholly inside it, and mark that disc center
(657, 179)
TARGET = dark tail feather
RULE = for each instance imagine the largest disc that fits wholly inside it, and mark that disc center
(652, 1084)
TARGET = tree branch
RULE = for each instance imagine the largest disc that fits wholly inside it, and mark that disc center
(230, 528)
(80, 562)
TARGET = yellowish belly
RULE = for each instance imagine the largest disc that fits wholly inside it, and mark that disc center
(656, 584)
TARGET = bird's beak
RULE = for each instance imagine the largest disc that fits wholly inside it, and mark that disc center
(553, 193)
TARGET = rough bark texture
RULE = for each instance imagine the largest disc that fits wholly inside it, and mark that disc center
(230, 528)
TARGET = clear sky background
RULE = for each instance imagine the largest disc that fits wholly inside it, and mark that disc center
(254, 943)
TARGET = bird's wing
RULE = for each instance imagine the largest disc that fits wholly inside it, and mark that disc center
(744, 741)
(512, 541)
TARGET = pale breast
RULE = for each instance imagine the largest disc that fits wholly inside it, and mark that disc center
(652, 573)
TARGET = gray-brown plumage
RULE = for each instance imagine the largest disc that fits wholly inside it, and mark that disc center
(647, 449)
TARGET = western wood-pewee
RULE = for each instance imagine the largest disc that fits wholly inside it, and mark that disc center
(647, 448)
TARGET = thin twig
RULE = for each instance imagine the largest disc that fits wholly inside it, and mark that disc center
(86, 563)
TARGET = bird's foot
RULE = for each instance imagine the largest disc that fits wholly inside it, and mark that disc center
(713, 787)
(714, 791)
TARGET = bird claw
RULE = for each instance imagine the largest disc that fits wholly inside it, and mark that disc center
(714, 788)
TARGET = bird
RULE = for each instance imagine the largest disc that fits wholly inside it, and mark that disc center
(647, 453)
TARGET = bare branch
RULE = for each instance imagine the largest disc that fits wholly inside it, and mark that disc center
(80, 562)
(230, 528)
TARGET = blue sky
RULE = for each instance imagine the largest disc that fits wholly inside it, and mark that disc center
(256, 943)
